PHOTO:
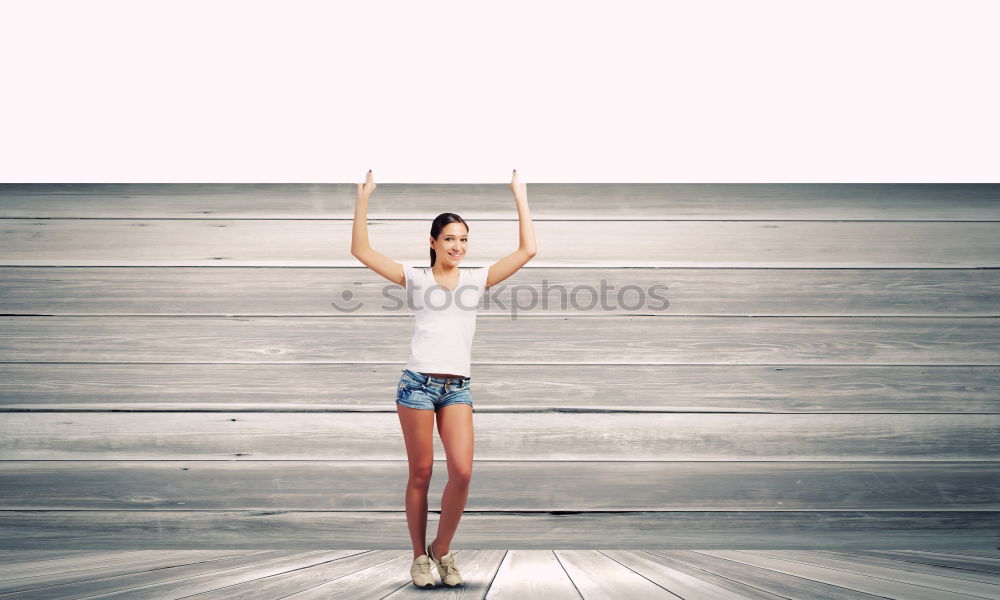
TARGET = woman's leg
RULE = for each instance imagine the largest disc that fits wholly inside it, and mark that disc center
(455, 429)
(418, 434)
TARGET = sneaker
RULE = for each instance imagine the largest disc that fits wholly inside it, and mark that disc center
(420, 572)
(446, 568)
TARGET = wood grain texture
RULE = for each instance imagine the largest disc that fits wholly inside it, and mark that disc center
(544, 340)
(500, 485)
(916, 588)
(205, 365)
(55, 581)
(310, 530)
(686, 585)
(505, 436)
(596, 576)
(390, 563)
(291, 243)
(610, 201)
(495, 575)
(532, 574)
(768, 581)
(868, 570)
(359, 292)
(899, 561)
(371, 387)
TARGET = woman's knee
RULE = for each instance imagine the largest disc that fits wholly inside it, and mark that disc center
(460, 476)
(421, 475)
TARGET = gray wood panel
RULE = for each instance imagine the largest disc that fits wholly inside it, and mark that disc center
(776, 244)
(597, 576)
(26, 558)
(53, 581)
(726, 201)
(494, 575)
(720, 570)
(532, 574)
(828, 380)
(958, 569)
(387, 579)
(504, 436)
(552, 340)
(686, 585)
(878, 586)
(938, 581)
(170, 576)
(309, 530)
(196, 291)
(303, 387)
(189, 581)
(500, 485)
(32, 566)
(296, 580)
(961, 562)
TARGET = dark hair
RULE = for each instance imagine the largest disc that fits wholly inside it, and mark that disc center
(439, 222)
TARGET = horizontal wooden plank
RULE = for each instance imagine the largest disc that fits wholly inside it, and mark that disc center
(597, 576)
(39, 565)
(758, 581)
(953, 566)
(922, 588)
(79, 581)
(541, 340)
(170, 576)
(756, 585)
(691, 586)
(839, 201)
(309, 530)
(503, 436)
(963, 562)
(362, 574)
(362, 292)
(500, 485)
(887, 573)
(641, 243)
(773, 581)
(296, 387)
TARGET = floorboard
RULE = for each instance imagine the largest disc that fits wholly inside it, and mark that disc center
(499, 574)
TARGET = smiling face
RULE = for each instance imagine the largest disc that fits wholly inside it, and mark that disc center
(454, 238)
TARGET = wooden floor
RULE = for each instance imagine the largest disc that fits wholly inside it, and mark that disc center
(494, 574)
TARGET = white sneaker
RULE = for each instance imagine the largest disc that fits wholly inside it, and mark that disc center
(420, 572)
(446, 568)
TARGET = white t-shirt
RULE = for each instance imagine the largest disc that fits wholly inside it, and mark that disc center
(445, 319)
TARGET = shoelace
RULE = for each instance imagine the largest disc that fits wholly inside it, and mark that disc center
(424, 567)
(450, 568)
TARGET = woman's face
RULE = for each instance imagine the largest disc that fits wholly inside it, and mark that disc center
(452, 243)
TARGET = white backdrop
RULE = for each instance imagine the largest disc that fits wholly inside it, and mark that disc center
(458, 92)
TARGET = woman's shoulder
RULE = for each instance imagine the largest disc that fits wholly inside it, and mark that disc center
(415, 268)
(478, 274)
(414, 272)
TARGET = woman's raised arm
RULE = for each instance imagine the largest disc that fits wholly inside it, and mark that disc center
(526, 249)
(361, 248)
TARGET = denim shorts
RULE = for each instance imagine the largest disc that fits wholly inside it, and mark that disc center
(416, 390)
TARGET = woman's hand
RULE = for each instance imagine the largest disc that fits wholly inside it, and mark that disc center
(520, 189)
(365, 190)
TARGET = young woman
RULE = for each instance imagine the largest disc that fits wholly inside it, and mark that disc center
(435, 381)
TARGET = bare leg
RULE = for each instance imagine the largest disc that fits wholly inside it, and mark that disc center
(418, 434)
(455, 429)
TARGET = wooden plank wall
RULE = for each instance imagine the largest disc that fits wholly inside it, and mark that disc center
(786, 366)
